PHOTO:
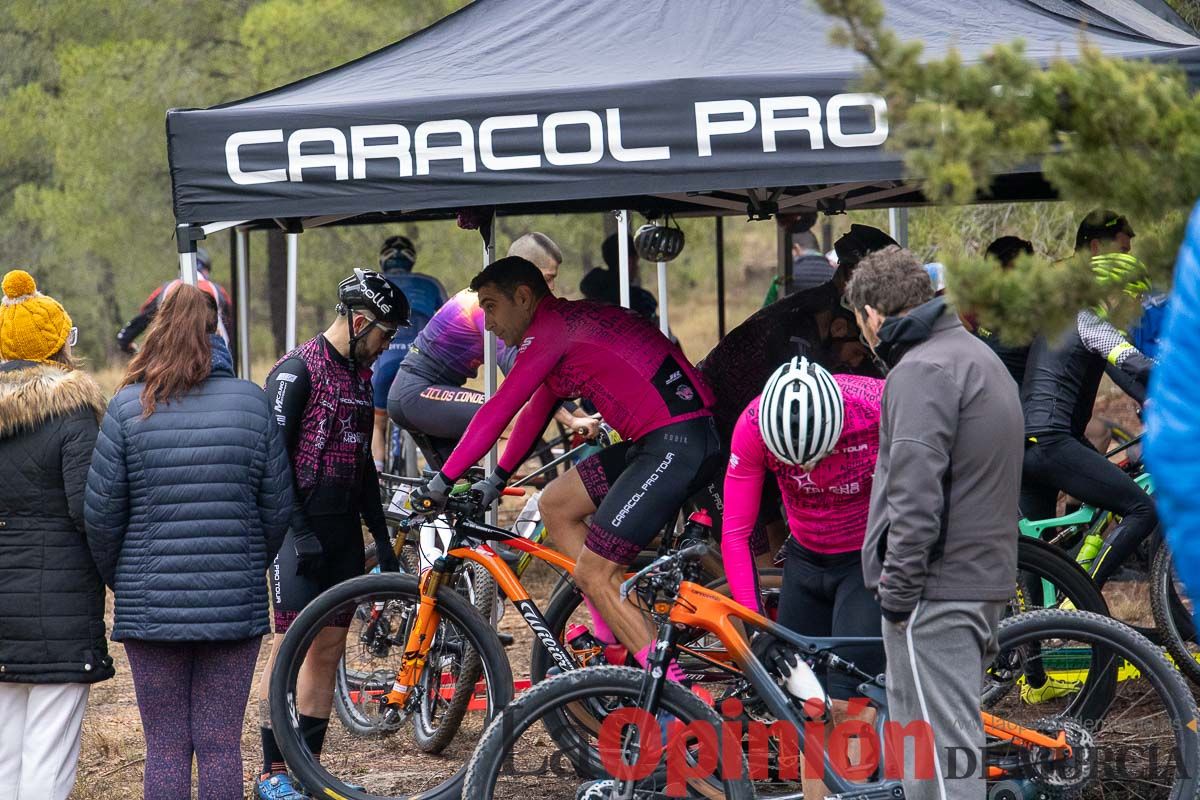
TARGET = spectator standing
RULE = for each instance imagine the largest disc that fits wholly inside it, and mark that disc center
(940, 551)
(145, 315)
(603, 284)
(188, 500)
(52, 645)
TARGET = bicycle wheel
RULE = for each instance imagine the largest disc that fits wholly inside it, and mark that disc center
(1127, 715)
(1049, 578)
(511, 759)
(1173, 615)
(458, 665)
(394, 600)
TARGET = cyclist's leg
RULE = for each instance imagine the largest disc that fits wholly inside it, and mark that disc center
(1085, 474)
(824, 595)
(441, 412)
(382, 374)
(567, 502)
(664, 468)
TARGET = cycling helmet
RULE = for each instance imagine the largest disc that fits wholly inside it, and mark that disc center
(398, 254)
(655, 242)
(1124, 270)
(366, 289)
(800, 413)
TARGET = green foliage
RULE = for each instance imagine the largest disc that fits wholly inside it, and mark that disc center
(1108, 132)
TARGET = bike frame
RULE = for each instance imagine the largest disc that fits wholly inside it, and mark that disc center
(469, 544)
(701, 608)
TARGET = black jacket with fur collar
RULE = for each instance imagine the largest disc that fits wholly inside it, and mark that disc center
(51, 595)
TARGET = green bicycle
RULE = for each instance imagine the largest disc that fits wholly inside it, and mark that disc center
(1083, 530)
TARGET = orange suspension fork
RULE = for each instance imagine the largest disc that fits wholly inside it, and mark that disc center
(420, 639)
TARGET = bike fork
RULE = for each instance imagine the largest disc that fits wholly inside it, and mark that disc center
(420, 637)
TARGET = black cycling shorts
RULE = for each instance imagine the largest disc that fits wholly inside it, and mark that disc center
(343, 558)
(711, 498)
(440, 411)
(824, 595)
(639, 486)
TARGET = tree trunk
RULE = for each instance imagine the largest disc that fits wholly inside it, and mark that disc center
(277, 280)
(109, 307)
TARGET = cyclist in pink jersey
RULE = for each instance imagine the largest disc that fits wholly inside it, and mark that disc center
(819, 434)
(641, 384)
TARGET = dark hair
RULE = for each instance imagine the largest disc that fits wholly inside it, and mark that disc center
(177, 354)
(890, 280)
(611, 251)
(859, 242)
(510, 272)
(1007, 249)
(1102, 224)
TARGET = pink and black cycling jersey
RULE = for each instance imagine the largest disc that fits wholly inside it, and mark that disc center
(453, 340)
(826, 507)
(637, 379)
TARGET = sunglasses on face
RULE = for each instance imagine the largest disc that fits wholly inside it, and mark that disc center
(73, 336)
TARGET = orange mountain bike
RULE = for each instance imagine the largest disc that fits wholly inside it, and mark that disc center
(1128, 730)
(416, 638)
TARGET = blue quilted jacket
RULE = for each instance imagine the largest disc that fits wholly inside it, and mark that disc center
(185, 509)
(1173, 415)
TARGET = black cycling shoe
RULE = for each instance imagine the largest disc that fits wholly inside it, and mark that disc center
(506, 639)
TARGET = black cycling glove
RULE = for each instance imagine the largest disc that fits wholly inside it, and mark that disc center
(488, 490)
(384, 554)
(308, 553)
(432, 497)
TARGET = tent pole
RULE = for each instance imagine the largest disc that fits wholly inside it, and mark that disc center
(186, 237)
(898, 223)
(720, 277)
(623, 244)
(664, 324)
(293, 246)
(242, 282)
(490, 376)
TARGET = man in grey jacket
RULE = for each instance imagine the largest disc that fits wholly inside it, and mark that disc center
(941, 549)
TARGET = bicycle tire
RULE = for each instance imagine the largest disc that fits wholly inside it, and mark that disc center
(433, 738)
(347, 682)
(573, 687)
(1171, 617)
(1052, 564)
(452, 607)
(1134, 649)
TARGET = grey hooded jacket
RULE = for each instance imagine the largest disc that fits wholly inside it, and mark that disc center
(942, 523)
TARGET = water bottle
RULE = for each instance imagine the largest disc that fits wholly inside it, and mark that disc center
(801, 683)
(1088, 550)
(583, 644)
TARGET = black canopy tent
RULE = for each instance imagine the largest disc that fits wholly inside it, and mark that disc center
(558, 106)
(564, 105)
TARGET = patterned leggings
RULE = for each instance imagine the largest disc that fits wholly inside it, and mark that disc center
(192, 698)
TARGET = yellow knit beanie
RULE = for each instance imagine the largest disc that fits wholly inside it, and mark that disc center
(33, 327)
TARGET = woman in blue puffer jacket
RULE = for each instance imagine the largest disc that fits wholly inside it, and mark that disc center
(187, 501)
(1173, 418)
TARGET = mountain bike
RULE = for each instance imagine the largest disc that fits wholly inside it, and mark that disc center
(415, 636)
(1132, 710)
(1082, 533)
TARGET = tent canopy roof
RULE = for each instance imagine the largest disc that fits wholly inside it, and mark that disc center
(555, 71)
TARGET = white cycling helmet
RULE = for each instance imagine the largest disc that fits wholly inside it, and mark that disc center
(800, 413)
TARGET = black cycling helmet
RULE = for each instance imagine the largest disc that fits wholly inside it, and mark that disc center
(655, 242)
(398, 254)
(366, 289)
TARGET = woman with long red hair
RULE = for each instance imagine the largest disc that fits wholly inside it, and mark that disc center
(188, 500)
